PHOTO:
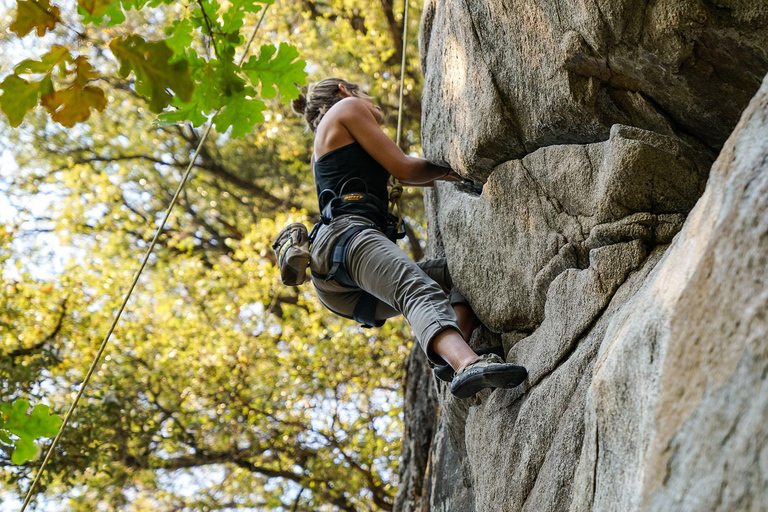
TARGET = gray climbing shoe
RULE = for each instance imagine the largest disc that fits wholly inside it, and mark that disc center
(445, 372)
(489, 371)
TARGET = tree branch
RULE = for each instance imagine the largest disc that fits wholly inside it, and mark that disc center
(413, 240)
(208, 163)
(19, 352)
(395, 32)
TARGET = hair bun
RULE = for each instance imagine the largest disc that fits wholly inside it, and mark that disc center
(299, 104)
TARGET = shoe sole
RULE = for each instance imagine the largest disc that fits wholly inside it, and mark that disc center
(508, 376)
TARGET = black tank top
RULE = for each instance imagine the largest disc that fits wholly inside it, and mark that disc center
(341, 165)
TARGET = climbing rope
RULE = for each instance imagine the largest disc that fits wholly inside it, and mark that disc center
(103, 346)
(396, 188)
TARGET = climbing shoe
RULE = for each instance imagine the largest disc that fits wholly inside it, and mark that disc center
(445, 373)
(489, 371)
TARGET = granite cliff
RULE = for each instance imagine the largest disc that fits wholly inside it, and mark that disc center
(619, 250)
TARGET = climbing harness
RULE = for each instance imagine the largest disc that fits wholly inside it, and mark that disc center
(150, 249)
(386, 218)
(365, 205)
(360, 203)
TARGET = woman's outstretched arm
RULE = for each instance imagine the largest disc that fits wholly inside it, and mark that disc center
(355, 116)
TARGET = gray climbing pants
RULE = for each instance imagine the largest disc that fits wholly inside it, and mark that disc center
(422, 292)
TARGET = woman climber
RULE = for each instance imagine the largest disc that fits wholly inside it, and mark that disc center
(357, 270)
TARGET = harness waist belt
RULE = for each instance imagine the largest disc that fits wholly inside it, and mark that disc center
(365, 205)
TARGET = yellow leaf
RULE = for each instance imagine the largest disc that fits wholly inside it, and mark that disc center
(74, 104)
(34, 14)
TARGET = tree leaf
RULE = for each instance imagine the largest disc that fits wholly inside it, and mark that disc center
(34, 14)
(58, 56)
(228, 80)
(20, 96)
(151, 63)
(73, 104)
(28, 427)
(180, 36)
(241, 113)
(232, 18)
(278, 74)
(84, 72)
(207, 96)
(194, 112)
(93, 11)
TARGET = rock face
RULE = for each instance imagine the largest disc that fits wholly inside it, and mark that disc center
(606, 252)
(506, 77)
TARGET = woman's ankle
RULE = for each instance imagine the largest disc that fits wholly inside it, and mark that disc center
(450, 345)
(466, 362)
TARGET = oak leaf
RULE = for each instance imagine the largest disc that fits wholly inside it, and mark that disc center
(20, 96)
(57, 56)
(150, 61)
(241, 113)
(278, 74)
(73, 104)
(27, 427)
(34, 14)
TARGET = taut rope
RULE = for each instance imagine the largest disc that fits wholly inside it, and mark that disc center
(396, 188)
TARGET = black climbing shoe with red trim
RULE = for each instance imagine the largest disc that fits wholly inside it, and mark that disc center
(489, 371)
(445, 373)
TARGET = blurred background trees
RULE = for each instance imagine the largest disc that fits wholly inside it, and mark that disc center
(221, 389)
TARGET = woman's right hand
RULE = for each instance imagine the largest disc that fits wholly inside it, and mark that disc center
(452, 176)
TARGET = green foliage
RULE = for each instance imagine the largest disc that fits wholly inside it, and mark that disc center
(94, 11)
(20, 96)
(167, 72)
(58, 56)
(241, 113)
(216, 375)
(278, 74)
(180, 32)
(27, 427)
(155, 74)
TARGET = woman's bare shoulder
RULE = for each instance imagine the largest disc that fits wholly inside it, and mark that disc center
(348, 106)
(331, 132)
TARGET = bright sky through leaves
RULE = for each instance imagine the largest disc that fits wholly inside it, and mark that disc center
(269, 396)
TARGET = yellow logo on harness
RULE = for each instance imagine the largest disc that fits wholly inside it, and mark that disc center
(353, 197)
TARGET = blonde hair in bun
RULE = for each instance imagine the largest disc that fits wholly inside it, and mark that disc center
(299, 105)
(320, 97)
